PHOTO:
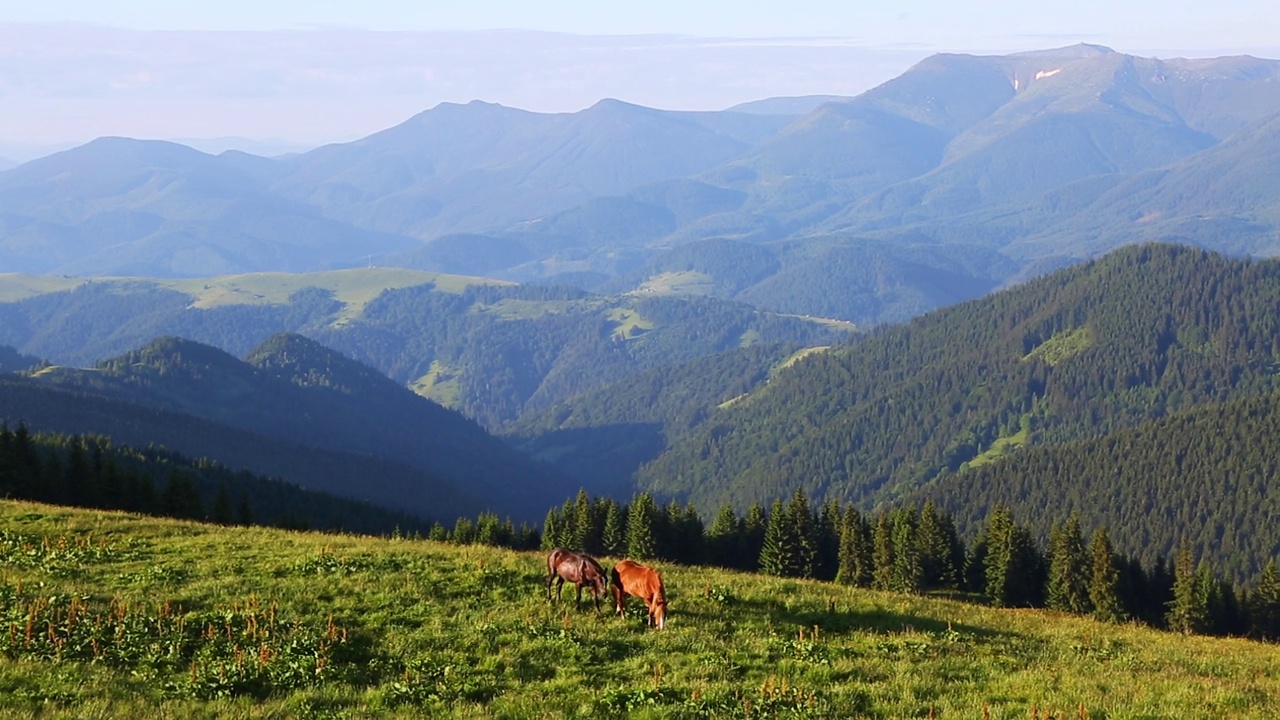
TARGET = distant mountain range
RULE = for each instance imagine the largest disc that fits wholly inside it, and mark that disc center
(962, 175)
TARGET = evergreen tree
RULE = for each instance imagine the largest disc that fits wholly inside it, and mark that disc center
(754, 526)
(641, 543)
(1189, 609)
(940, 554)
(1069, 569)
(725, 538)
(181, 499)
(464, 531)
(1104, 579)
(801, 525)
(826, 534)
(1264, 604)
(614, 534)
(882, 553)
(1013, 568)
(438, 533)
(551, 530)
(222, 507)
(908, 571)
(847, 559)
(778, 556)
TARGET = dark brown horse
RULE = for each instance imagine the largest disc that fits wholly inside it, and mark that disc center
(642, 581)
(579, 569)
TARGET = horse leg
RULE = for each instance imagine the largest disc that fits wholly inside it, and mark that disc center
(550, 577)
(578, 603)
(559, 588)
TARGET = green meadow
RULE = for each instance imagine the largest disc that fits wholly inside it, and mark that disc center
(110, 615)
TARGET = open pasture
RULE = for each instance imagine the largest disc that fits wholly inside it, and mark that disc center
(117, 615)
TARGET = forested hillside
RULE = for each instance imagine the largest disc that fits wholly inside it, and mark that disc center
(1209, 477)
(304, 412)
(90, 471)
(491, 351)
(603, 436)
(1087, 351)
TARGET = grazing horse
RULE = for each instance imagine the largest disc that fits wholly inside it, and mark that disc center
(579, 569)
(644, 582)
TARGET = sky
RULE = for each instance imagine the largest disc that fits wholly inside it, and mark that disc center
(281, 75)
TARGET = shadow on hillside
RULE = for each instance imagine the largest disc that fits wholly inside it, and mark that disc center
(602, 458)
(836, 618)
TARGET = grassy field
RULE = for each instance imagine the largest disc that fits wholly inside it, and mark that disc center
(109, 615)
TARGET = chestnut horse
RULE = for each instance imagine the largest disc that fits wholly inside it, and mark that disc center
(579, 569)
(643, 582)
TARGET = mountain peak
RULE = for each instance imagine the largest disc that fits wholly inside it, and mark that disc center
(1073, 52)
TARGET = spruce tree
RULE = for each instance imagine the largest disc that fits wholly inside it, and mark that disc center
(1104, 579)
(641, 543)
(801, 525)
(908, 571)
(882, 553)
(550, 530)
(753, 530)
(1069, 569)
(725, 538)
(1189, 609)
(1264, 605)
(847, 558)
(614, 534)
(778, 555)
(938, 548)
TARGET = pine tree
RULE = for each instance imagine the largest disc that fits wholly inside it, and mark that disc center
(585, 530)
(725, 538)
(882, 554)
(641, 543)
(614, 535)
(753, 530)
(551, 530)
(1264, 604)
(938, 548)
(1069, 569)
(1014, 571)
(801, 525)
(908, 571)
(1189, 609)
(1104, 579)
(778, 554)
(847, 559)
(826, 533)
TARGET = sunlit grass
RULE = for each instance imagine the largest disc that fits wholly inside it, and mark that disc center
(434, 630)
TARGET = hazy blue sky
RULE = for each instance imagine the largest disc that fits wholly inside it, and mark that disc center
(967, 23)
(306, 72)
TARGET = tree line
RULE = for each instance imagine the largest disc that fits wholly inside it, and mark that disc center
(90, 471)
(916, 549)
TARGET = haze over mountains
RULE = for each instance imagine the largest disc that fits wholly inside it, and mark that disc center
(1016, 163)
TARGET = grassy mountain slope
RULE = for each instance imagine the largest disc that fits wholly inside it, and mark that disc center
(414, 629)
(1131, 337)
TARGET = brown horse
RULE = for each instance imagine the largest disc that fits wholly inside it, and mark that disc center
(643, 582)
(579, 569)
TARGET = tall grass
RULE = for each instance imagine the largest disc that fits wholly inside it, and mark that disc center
(131, 616)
